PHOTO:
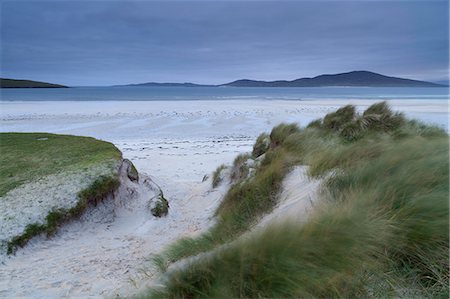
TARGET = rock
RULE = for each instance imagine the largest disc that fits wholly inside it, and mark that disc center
(159, 207)
(131, 171)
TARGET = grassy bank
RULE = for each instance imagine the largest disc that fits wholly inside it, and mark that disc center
(381, 230)
(28, 157)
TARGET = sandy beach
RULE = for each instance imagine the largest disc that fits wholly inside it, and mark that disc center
(175, 143)
(184, 140)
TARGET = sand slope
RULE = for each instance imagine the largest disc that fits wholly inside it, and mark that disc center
(298, 196)
(31, 202)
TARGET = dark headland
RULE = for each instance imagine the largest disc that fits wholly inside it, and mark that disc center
(13, 83)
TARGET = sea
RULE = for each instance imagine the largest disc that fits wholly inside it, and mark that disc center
(142, 93)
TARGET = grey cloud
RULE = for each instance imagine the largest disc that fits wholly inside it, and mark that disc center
(112, 42)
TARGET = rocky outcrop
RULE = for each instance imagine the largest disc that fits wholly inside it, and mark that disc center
(160, 206)
(131, 171)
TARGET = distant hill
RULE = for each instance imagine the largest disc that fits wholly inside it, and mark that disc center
(155, 84)
(12, 83)
(355, 78)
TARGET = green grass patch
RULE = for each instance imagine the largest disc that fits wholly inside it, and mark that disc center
(381, 230)
(26, 157)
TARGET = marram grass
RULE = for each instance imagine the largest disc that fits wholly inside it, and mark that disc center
(381, 229)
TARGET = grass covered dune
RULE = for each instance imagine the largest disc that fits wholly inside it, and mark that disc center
(47, 179)
(381, 228)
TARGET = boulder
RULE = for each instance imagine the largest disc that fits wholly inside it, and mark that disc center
(131, 171)
(159, 207)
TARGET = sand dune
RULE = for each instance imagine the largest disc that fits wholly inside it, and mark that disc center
(173, 143)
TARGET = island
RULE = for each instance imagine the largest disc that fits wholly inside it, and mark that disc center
(351, 79)
(14, 83)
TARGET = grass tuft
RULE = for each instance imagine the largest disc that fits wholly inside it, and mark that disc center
(381, 108)
(337, 120)
(261, 145)
(217, 178)
(315, 124)
(281, 132)
(240, 169)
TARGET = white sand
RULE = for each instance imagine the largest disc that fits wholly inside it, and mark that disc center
(31, 202)
(299, 194)
(185, 119)
(176, 143)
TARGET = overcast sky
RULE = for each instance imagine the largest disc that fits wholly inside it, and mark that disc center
(117, 42)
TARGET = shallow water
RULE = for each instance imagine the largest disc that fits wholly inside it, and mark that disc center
(220, 93)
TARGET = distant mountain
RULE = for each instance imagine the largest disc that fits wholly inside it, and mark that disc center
(13, 83)
(155, 84)
(355, 78)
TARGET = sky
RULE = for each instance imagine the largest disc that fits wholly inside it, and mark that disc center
(92, 43)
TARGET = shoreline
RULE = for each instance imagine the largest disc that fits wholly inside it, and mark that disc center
(270, 110)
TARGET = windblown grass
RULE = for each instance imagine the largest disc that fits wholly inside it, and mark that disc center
(382, 229)
(336, 121)
(316, 260)
(242, 206)
(217, 178)
(281, 132)
(261, 145)
(239, 170)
